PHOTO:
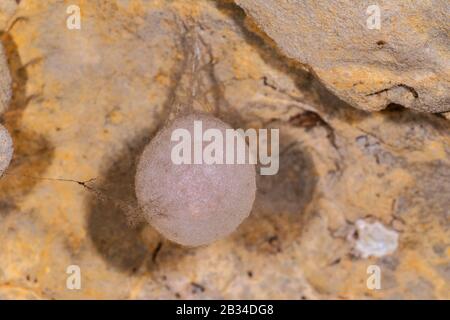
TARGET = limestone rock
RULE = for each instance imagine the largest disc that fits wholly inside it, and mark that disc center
(406, 61)
(7, 10)
(87, 103)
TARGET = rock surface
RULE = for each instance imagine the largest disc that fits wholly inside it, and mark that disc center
(7, 10)
(85, 104)
(405, 59)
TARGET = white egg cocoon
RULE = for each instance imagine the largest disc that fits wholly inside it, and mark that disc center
(6, 149)
(193, 204)
(6, 144)
(5, 82)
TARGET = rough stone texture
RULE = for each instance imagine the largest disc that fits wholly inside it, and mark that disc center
(406, 61)
(7, 10)
(87, 102)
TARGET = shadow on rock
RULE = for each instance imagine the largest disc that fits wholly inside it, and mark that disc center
(126, 248)
(33, 153)
(118, 243)
(279, 211)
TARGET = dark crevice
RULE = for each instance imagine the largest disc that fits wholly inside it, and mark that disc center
(156, 251)
(401, 85)
(394, 107)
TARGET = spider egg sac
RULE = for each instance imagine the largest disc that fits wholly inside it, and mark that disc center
(5, 82)
(6, 145)
(193, 204)
(6, 149)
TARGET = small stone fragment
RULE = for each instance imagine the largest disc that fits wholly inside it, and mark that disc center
(374, 239)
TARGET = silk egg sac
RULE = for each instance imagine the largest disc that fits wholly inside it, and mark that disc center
(6, 149)
(193, 203)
